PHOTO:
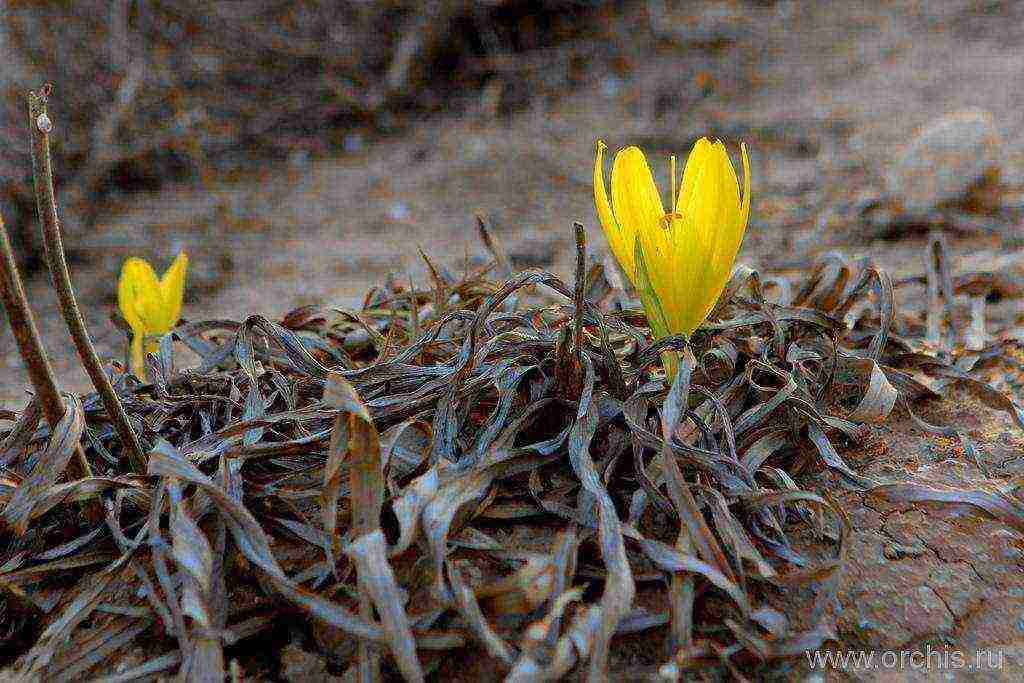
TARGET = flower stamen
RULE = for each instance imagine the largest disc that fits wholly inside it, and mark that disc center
(668, 220)
(672, 187)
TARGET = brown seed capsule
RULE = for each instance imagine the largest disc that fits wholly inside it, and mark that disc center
(43, 123)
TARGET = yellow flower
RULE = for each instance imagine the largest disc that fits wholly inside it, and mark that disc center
(151, 305)
(679, 261)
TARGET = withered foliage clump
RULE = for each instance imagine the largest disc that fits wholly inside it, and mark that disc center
(493, 462)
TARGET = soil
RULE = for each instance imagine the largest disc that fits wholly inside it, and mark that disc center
(825, 95)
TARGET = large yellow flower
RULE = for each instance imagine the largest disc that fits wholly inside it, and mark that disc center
(679, 261)
(150, 304)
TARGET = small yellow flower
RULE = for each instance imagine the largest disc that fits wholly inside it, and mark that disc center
(150, 304)
(679, 261)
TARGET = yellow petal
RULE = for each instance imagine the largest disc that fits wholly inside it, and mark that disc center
(730, 185)
(660, 257)
(722, 211)
(172, 291)
(654, 310)
(695, 162)
(727, 243)
(138, 295)
(745, 209)
(738, 227)
(708, 201)
(620, 237)
(635, 196)
(718, 219)
(648, 295)
(689, 230)
(682, 283)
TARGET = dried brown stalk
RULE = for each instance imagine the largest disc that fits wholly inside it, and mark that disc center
(26, 334)
(40, 126)
(30, 345)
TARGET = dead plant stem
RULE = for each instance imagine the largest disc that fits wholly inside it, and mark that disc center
(40, 125)
(30, 345)
(26, 334)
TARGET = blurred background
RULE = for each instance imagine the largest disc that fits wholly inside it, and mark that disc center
(300, 151)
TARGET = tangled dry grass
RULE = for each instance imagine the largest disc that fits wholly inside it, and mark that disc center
(494, 462)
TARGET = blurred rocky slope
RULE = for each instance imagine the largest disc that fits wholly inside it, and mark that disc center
(868, 124)
(154, 90)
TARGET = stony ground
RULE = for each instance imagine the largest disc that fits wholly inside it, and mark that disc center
(838, 104)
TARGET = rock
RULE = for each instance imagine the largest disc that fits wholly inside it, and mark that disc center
(899, 551)
(945, 161)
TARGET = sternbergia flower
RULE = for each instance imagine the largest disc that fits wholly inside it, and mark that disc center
(681, 260)
(151, 305)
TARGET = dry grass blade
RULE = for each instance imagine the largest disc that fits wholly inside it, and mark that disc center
(253, 542)
(1003, 507)
(368, 552)
(27, 501)
(619, 589)
(356, 445)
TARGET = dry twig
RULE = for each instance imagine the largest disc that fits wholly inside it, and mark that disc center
(40, 126)
(30, 345)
